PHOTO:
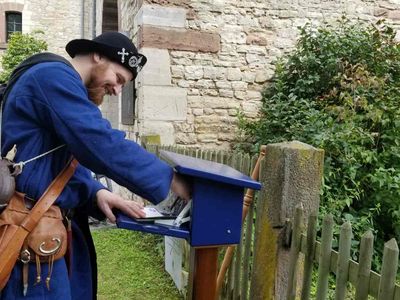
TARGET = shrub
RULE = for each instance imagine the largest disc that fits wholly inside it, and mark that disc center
(20, 46)
(339, 90)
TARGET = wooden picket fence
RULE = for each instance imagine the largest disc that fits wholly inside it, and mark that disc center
(305, 251)
(364, 281)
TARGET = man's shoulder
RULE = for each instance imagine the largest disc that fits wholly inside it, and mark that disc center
(50, 73)
(53, 67)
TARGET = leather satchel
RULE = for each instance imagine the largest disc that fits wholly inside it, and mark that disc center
(36, 234)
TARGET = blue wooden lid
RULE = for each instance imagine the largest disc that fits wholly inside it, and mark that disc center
(196, 167)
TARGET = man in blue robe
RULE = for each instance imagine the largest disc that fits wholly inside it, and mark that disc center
(55, 104)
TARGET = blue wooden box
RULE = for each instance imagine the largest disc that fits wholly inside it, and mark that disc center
(216, 213)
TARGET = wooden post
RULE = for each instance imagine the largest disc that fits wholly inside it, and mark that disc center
(205, 273)
(291, 174)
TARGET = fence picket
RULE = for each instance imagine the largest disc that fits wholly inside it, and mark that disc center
(309, 256)
(236, 291)
(260, 209)
(342, 272)
(192, 152)
(238, 269)
(231, 276)
(389, 270)
(248, 239)
(294, 253)
(364, 267)
(247, 252)
(325, 257)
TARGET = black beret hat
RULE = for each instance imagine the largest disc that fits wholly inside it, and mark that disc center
(113, 45)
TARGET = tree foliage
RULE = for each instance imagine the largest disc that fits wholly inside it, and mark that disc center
(340, 90)
(20, 46)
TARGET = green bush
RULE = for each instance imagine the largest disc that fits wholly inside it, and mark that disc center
(340, 90)
(20, 46)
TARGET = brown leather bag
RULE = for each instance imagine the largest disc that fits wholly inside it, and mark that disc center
(33, 235)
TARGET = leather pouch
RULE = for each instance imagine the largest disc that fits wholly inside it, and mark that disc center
(48, 238)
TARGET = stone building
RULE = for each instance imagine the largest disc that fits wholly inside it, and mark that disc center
(207, 59)
(210, 58)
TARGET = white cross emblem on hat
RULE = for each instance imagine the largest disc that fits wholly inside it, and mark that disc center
(123, 54)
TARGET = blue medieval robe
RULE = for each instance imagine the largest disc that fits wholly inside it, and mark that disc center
(48, 107)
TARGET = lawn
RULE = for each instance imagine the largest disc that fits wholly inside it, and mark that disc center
(131, 266)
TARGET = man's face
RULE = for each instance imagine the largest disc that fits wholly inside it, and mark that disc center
(106, 78)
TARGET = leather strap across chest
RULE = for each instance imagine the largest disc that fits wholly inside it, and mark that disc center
(49, 196)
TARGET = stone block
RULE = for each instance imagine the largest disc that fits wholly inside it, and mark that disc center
(198, 111)
(158, 128)
(185, 138)
(397, 36)
(239, 85)
(157, 70)
(394, 15)
(262, 76)
(207, 138)
(380, 12)
(178, 39)
(233, 34)
(223, 85)
(161, 16)
(234, 74)
(162, 103)
(214, 72)
(178, 71)
(194, 72)
(257, 39)
(226, 93)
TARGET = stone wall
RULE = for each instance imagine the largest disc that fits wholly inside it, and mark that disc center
(219, 55)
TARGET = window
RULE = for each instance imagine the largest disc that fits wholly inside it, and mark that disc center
(13, 23)
(128, 103)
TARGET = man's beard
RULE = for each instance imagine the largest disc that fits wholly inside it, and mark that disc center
(96, 93)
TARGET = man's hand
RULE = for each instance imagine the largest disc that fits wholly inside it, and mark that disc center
(106, 201)
(181, 187)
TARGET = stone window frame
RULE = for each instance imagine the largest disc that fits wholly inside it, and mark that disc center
(14, 14)
(5, 8)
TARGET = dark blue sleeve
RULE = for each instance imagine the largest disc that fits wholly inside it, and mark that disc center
(81, 192)
(63, 105)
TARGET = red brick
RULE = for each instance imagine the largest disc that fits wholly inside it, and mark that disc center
(180, 3)
(176, 39)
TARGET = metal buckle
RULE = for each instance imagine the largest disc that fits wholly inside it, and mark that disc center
(50, 251)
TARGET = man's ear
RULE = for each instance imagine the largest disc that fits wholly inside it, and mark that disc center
(96, 57)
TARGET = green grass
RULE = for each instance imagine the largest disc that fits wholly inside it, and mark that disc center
(131, 266)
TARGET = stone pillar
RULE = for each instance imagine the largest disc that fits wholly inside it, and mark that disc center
(290, 174)
(159, 104)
